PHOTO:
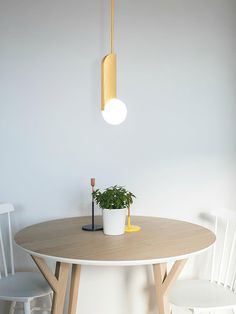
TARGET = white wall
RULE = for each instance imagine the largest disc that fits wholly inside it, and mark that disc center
(176, 151)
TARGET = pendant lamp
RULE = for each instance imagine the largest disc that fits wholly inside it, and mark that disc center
(114, 111)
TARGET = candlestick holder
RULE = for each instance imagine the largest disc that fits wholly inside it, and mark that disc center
(92, 227)
(129, 227)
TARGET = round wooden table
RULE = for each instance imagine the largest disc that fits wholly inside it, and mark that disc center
(161, 240)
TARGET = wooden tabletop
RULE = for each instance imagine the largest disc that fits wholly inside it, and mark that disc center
(160, 240)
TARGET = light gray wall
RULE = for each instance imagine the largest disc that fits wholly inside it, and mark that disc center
(176, 151)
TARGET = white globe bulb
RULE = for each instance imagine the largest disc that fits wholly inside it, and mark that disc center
(115, 111)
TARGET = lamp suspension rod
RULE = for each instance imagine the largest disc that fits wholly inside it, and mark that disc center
(112, 24)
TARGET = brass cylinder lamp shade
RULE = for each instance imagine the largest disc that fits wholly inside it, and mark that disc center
(108, 79)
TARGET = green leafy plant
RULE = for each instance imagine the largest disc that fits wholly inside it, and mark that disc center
(114, 197)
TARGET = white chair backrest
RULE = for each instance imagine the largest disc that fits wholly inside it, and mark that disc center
(223, 264)
(6, 209)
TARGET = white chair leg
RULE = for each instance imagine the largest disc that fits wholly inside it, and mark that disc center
(27, 308)
(12, 307)
(50, 298)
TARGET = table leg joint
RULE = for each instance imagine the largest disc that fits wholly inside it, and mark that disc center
(173, 275)
(164, 282)
(57, 282)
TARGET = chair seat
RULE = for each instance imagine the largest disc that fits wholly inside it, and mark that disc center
(23, 286)
(199, 294)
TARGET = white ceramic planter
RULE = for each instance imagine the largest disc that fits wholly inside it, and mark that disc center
(114, 221)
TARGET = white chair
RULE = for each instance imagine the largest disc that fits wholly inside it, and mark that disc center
(217, 293)
(16, 287)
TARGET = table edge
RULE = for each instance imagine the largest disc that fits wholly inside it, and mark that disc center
(115, 263)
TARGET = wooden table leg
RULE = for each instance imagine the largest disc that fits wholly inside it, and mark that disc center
(57, 282)
(74, 288)
(164, 282)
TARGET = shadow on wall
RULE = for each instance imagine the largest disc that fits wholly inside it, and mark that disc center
(150, 292)
(147, 291)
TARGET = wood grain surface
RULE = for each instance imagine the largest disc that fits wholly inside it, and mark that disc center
(159, 240)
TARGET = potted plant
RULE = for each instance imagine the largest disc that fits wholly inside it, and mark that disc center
(114, 202)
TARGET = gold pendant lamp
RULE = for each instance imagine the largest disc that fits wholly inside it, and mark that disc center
(114, 111)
